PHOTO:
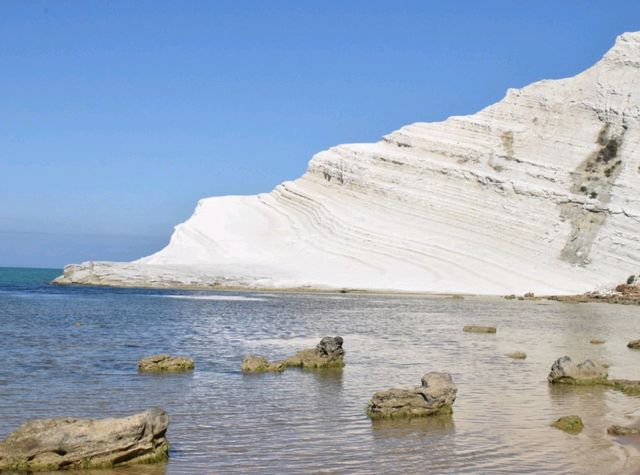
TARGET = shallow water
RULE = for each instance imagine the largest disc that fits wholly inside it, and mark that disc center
(313, 421)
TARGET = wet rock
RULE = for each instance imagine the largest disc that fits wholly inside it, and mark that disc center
(634, 345)
(571, 424)
(621, 430)
(597, 341)
(517, 355)
(327, 354)
(566, 371)
(259, 364)
(160, 363)
(68, 443)
(478, 329)
(436, 395)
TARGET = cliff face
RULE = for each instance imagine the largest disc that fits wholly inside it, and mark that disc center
(539, 192)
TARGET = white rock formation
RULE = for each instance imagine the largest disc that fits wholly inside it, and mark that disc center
(539, 192)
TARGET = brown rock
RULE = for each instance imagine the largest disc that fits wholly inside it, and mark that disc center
(160, 363)
(68, 443)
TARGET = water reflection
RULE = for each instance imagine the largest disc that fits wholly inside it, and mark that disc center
(303, 421)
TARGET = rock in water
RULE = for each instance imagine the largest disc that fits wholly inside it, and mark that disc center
(331, 347)
(526, 195)
(517, 355)
(634, 345)
(327, 354)
(621, 430)
(597, 341)
(571, 424)
(566, 372)
(67, 443)
(160, 363)
(478, 329)
(436, 396)
(259, 364)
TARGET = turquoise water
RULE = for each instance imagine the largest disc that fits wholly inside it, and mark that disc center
(73, 351)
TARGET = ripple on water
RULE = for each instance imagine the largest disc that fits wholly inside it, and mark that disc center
(305, 421)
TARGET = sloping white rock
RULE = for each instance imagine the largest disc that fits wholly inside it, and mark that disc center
(539, 192)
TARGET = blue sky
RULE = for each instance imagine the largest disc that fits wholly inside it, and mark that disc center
(117, 116)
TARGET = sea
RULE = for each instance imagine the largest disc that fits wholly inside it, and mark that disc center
(73, 350)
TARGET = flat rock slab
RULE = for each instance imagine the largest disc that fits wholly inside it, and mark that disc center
(68, 443)
(436, 396)
(478, 329)
(565, 371)
(168, 363)
(327, 354)
(570, 424)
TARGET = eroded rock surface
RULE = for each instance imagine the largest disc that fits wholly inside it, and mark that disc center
(566, 371)
(68, 443)
(436, 395)
(553, 167)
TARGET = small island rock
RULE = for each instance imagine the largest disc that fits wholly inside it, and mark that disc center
(571, 424)
(68, 443)
(479, 329)
(621, 430)
(327, 354)
(436, 395)
(634, 345)
(566, 371)
(160, 363)
(517, 355)
(259, 364)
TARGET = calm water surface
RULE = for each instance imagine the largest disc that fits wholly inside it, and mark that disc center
(313, 421)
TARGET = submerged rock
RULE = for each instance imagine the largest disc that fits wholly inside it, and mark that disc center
(517, 355)
(634, 345)
(67, 443)
(436, 395)
(566, 372)
(571, 424)
(621, 430)
(478, 329)
(327, 354)
(627, 386)
(159, 363)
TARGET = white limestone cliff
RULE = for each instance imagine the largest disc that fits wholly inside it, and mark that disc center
(539, 192)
